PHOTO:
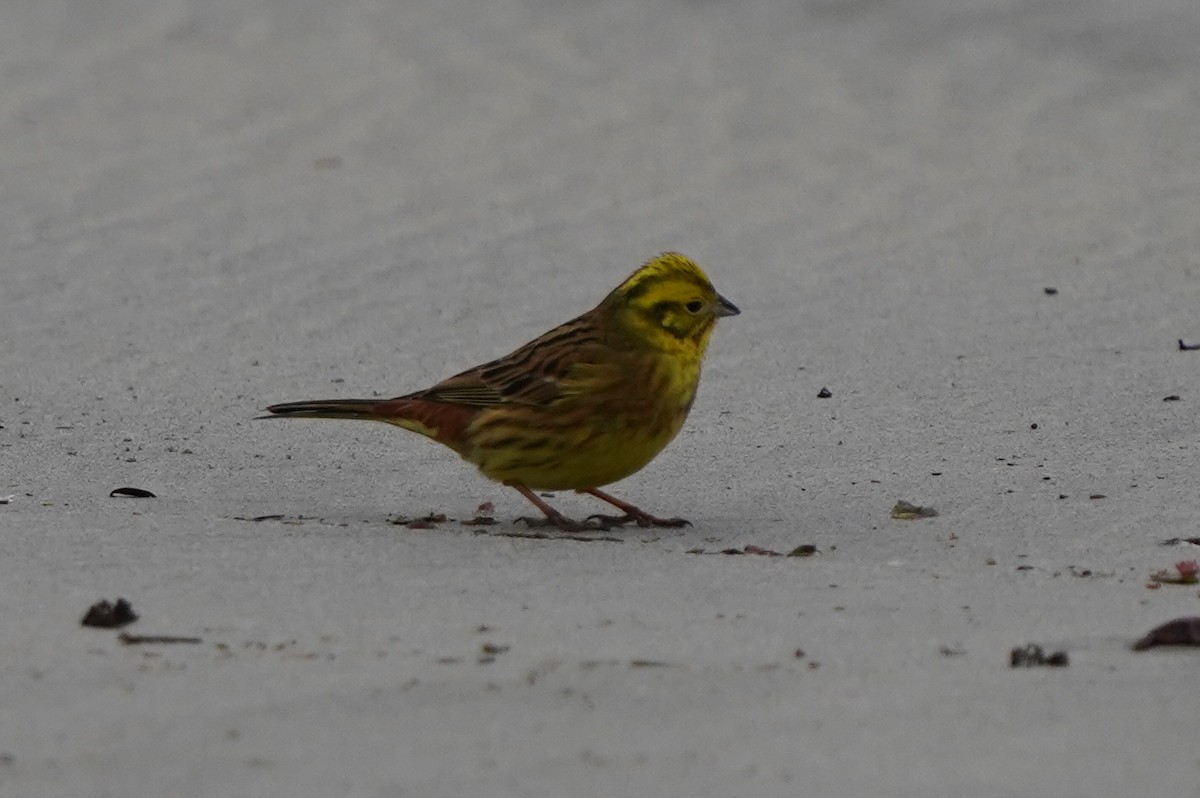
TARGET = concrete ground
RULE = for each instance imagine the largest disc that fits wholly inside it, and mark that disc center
(207, 207)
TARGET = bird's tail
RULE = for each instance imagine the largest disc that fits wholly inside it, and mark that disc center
(364, 409)
(444, 422)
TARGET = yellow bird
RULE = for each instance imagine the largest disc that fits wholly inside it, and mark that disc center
(584, 405)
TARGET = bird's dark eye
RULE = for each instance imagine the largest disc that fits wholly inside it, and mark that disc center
(694, 306)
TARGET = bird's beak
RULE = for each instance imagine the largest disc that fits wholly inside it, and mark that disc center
(724, 307)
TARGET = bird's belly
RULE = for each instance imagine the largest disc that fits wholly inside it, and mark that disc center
(588, 439)
(575, 457)
(600, 461)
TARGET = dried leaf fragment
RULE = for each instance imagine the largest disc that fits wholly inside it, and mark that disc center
(136, 640)
(1179, 632)
(1187, 572)
(133, 493)
(428, 522)
(907, 511)
(103, 615)
(1179, 542)
(1034, 656)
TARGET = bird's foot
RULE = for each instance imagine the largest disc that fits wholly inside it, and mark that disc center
(632, 513)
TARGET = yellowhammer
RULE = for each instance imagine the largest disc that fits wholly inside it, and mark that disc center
(586, 404)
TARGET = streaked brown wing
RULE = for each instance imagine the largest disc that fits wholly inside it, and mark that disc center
(538, 373)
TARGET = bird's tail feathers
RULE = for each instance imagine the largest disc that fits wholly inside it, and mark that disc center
(364, 409)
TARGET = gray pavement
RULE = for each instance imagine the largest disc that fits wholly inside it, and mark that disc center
(207, 207)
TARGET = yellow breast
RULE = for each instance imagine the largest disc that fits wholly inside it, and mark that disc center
(592, 438)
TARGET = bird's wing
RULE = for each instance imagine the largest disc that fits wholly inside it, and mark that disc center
(565, 361)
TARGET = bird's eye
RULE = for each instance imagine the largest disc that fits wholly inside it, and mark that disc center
(694, 306)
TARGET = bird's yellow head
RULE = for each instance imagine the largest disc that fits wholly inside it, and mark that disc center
(668, 303)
